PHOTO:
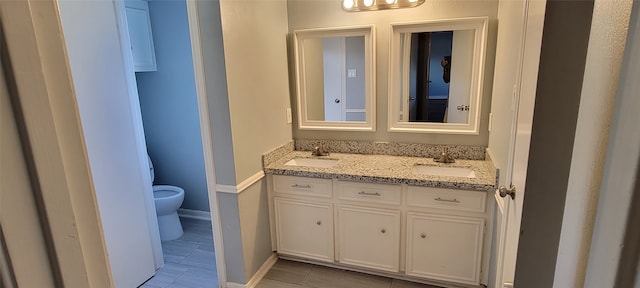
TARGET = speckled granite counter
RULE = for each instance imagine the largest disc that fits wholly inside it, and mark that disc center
(388, 169)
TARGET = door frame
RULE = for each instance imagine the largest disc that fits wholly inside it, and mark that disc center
(52, 117)
(132, 86)
(52, 123)
(207, 140)
(205, 131)
(522, 106)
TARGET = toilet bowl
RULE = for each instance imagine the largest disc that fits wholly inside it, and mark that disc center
(167, 199)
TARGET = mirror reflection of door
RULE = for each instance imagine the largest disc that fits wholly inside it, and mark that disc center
(430, 68)
(344, 81)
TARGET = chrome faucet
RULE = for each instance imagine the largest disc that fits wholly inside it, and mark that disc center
(319, 151)
(444, 157)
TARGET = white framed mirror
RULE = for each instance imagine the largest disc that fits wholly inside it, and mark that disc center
(335, 78)
(436, 75)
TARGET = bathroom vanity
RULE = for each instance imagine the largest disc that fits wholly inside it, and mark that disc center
(402, 217)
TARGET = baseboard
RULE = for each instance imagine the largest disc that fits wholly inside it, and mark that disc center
(257, 277)
(194, 214)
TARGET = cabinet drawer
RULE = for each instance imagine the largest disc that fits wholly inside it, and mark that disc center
(369, 192)
(302, 186)
(460, 200)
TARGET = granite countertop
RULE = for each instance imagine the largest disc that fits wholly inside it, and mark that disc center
(388, 169)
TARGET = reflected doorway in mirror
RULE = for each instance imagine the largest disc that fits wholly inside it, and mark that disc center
(435, 67)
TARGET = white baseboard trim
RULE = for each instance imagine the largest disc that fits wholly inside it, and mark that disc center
(257, 277)
(194, 214)
(242, 185)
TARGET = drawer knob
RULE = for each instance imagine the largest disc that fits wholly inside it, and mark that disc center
(383, 231)
(423, 235)
(454, 200)
(319, 223)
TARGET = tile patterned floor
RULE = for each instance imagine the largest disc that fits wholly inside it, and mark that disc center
(189, 261)
(291, 274)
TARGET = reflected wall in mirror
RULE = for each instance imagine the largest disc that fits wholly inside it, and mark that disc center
(335, 78)
(436, 75)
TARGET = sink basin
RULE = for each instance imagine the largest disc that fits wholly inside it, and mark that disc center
(312, 162)
(444, 171)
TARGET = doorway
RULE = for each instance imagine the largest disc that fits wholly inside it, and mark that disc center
(172, 106)
(430, 72)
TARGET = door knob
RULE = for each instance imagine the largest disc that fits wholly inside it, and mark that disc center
(504, 191)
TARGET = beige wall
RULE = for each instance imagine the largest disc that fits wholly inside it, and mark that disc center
(255, 55)
(257, 79)
(255, 229)
(314, 78)
(601, 78)
(325, 13)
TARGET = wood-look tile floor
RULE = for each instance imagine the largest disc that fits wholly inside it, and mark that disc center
(291, 274)
(189, 261)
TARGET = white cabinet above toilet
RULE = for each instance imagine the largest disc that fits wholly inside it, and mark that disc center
(139, 24)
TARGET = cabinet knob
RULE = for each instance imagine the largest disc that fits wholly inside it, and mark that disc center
(423, 235)
(319, 222)
(383, 231)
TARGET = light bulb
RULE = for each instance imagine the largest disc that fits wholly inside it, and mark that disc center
(413, 1)
(390, 1)
(368, 3)
(347, 4)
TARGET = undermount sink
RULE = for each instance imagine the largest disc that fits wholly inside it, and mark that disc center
(444, 171)
(312, 162)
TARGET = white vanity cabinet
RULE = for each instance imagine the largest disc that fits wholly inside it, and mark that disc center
(445, 234)
(444, 247)
(432, 234)
(303, 216)
(369, 225)
(304, 229)
(139, 24)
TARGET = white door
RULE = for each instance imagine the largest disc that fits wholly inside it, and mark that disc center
(110, 126)
(510, 210)
(460, 77)
(333, 57)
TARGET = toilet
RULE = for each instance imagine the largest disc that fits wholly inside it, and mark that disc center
(167, 199)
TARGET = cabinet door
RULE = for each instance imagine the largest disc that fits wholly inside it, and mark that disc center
(444, 247)
(139, 24)
(304, 229)
(369, 237)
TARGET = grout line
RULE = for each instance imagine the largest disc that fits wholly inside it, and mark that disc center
(306, 278)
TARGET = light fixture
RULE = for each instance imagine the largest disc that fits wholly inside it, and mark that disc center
(372, 5)
(348, 4)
